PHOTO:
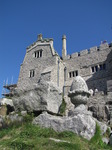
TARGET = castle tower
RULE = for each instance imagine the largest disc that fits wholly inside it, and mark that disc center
(64, 51)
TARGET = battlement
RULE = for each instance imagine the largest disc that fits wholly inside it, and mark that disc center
(104, 45)
(49, 41)
(40, 41)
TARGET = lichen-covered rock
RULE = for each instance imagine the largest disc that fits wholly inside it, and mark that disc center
(10, 119)
(44, 97)
(80, 124)
(3, 110)
(81, 109)
(7, 101)
(98, 106)
(69, 105)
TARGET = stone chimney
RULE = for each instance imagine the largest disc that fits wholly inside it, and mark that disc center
(39, 37)
(64, 51)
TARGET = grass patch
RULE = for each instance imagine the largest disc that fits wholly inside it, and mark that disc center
(32, 137)
(96, 141)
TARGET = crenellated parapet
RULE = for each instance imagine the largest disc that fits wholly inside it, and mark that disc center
(42, 41)
(104, 45)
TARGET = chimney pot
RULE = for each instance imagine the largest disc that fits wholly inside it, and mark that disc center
(64, 37)
(39, 37)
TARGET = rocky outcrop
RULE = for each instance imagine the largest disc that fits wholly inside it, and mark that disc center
(97, 104)
(7, 101)
(80, 123)
(6, 106)
(9, 120)
(3, 110)
(44, 97)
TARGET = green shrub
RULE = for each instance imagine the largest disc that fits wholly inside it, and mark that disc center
(28, 118)
(62, 107)
(107, 133)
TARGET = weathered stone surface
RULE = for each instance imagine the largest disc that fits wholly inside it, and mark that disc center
(58, 140)
(110, 139)
(97, 105)
(79, 91)
(103, 126)
(15, 118)
(79, 84)
(5, 121)
(3, 110)
(80, 124)
(23, 113)
(1, 121)
(105, 140)
(69, 105)
(45, 96)
(81, 109)
(7, 101)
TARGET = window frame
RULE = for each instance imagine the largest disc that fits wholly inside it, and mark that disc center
(38, 53)
(31, 73)
(73, 74)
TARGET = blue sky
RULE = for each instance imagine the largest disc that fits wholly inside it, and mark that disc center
(85, 23)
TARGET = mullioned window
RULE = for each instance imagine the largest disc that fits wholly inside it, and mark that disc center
(73, 74)
(98, 67)
(37, 54)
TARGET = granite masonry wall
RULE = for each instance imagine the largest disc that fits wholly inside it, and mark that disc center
(47, 65)
(84, 61)
(26, 82)
(94, 65)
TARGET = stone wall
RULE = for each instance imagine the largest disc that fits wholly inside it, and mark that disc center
(84, 63)
(26, 82)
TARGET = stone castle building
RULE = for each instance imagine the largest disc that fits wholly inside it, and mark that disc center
(43, 62)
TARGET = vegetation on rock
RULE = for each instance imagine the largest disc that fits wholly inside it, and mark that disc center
(62, 107)
(31, 137)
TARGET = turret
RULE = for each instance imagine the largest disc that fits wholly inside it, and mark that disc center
(64, 51)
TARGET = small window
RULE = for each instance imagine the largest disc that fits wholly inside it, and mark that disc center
(38, 54)
(73, 73)
(79, 54)
(101, 67)
(32, 73)
(41, 53)
(70, 75)
(104, 66)
(96, 68)
(76, 73)
(92, 68)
